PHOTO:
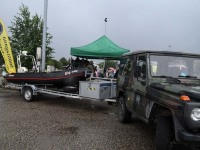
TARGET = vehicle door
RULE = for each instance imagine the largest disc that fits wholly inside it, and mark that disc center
(128, 73)
(140, 100)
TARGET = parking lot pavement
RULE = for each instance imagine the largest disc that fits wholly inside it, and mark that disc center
(59, 123)
(1, 81)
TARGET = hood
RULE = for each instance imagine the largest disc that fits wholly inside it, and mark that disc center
(190, 90)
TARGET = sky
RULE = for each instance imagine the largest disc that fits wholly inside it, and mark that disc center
(132, 24)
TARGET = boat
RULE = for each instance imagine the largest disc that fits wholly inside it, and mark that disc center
(66, 79)
(70, 77)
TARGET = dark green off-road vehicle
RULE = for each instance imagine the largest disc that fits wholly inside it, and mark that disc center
(163, 89)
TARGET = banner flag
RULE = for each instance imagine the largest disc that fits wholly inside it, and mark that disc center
(6, 49)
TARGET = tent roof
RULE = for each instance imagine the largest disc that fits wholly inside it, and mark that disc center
(101, 48)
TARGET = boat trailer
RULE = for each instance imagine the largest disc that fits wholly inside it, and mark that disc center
(101, 89)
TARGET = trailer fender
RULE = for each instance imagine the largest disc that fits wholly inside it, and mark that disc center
(33, 87)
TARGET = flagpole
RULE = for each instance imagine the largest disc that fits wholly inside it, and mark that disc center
(105, 24)
(104, 65)
(44, 36)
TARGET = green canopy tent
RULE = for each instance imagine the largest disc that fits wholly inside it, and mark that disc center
(102, 48)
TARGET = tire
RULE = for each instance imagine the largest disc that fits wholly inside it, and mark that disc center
(164, 138)
(124, 115)
(28, 94)
(70, 89)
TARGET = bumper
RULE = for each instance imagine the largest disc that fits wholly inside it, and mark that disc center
(188, 136)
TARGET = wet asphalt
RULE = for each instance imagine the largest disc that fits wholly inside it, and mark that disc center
(56, 123)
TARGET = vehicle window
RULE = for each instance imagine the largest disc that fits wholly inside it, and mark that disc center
(121, 65)
(141, 66)
(127, 67)
(174, 66)
(154, 66)
(196, 68)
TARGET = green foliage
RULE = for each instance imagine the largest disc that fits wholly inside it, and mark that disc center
(64, 61)
(26, 34)
(51, 62)
(101, 64)
(109, 63)
(57, 64)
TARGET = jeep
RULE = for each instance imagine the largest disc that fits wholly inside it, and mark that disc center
(162, 89)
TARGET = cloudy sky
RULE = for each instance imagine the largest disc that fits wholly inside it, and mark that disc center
(132, 24)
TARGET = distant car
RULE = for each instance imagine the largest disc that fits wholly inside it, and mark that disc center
(152, 86)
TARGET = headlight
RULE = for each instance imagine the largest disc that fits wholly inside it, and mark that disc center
(195, 114)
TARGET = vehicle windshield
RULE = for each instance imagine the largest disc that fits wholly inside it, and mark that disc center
(174, 66)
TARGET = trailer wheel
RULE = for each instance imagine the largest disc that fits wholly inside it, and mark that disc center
(164, 136)
(124, 115)
(28, 94)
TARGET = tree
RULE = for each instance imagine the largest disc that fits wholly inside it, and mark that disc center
(26, 34)
(64, 61)
(109, 63)
(57, 64)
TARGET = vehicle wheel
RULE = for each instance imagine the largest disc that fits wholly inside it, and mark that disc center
(163, 139)
(124, 115)
(28, 94)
